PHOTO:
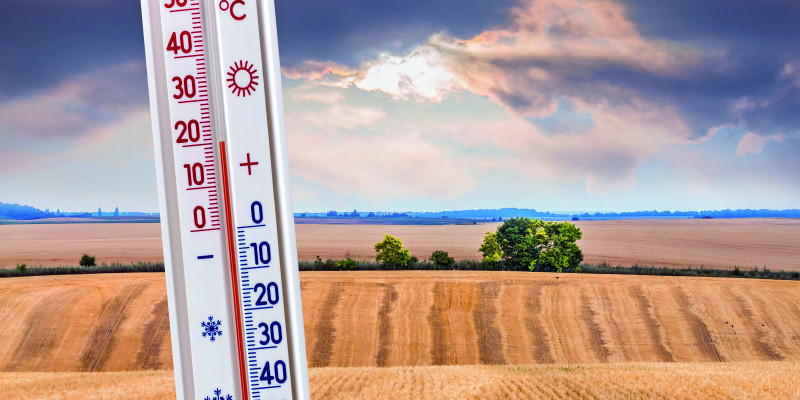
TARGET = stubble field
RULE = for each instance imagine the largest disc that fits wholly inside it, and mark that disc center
(430, 335)
(753, 380)
(119, 322)
(746, 243)
(422, 335)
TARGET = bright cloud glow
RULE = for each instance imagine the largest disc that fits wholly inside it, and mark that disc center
(422, 75)
(539, 59)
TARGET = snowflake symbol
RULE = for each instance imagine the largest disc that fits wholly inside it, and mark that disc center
(217, 396)
(211, 328)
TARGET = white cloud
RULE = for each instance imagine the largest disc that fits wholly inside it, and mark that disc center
(342, 116)
(326, 97)
(546, 54)
(751, 143)
(422, 75)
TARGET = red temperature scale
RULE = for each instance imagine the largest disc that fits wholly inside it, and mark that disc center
(226, 214)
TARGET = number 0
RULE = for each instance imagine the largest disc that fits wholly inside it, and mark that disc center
(199, 217)
(256, 212)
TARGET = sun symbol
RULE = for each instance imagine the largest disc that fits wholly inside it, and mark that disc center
(242, 78)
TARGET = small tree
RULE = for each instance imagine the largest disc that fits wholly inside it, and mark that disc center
(492, 253)
(390, 252)
(442, 259)
(87, 261)
(21, 268)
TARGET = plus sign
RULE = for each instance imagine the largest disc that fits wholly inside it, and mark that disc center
(249, 164)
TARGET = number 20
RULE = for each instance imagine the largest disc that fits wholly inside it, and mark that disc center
(190, 129)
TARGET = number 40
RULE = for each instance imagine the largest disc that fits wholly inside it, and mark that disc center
(279, 371)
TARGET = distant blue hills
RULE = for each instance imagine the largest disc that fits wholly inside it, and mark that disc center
(505, 213)
(12, 211)
(22, 212)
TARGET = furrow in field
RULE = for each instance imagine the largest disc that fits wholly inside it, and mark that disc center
(484, 316)
(436, 320)
(103, 338)
(701, 343)
(324, 330)
(596, 339)
(653, 327)
(385, 328)
(154, 334)
(42, 335)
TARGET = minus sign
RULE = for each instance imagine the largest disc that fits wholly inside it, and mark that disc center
(207, 256)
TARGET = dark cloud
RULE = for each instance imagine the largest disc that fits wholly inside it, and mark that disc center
(45, 42)
(345, 31)
(747, 44)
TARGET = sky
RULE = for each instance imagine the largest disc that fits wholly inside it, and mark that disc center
(424, 105)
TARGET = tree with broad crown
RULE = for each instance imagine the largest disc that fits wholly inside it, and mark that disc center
(535, 245)
(390, 252)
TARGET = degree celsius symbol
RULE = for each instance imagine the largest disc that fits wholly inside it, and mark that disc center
(222, 168)
(224, 5)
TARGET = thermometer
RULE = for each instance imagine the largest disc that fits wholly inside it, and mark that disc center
(227, 224)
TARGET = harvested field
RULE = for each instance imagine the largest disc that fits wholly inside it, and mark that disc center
(52, 245)
(460, 318)
(84, 323)
(754, 380)
(724, 244)
(415, 318)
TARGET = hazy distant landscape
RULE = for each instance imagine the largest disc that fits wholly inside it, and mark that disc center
(716, 243)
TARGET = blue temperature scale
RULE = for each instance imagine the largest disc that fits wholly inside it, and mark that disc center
(229, 245)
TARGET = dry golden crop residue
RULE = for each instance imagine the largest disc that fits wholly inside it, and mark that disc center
(457, 318)
(753, 380)
(138, 385)
(51, 245)
(764, 380)
(119, 322)
(746, 243)
(113, 322)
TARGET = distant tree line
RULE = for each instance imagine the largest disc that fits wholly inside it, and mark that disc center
(746, 213)
(23, 212)
(506, 213)
(17, 211)
(354, 214)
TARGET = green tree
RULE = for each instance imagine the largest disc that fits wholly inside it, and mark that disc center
(87, 261)
(390, 252)
(535, 245)
(492, 253)
(442, 259)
